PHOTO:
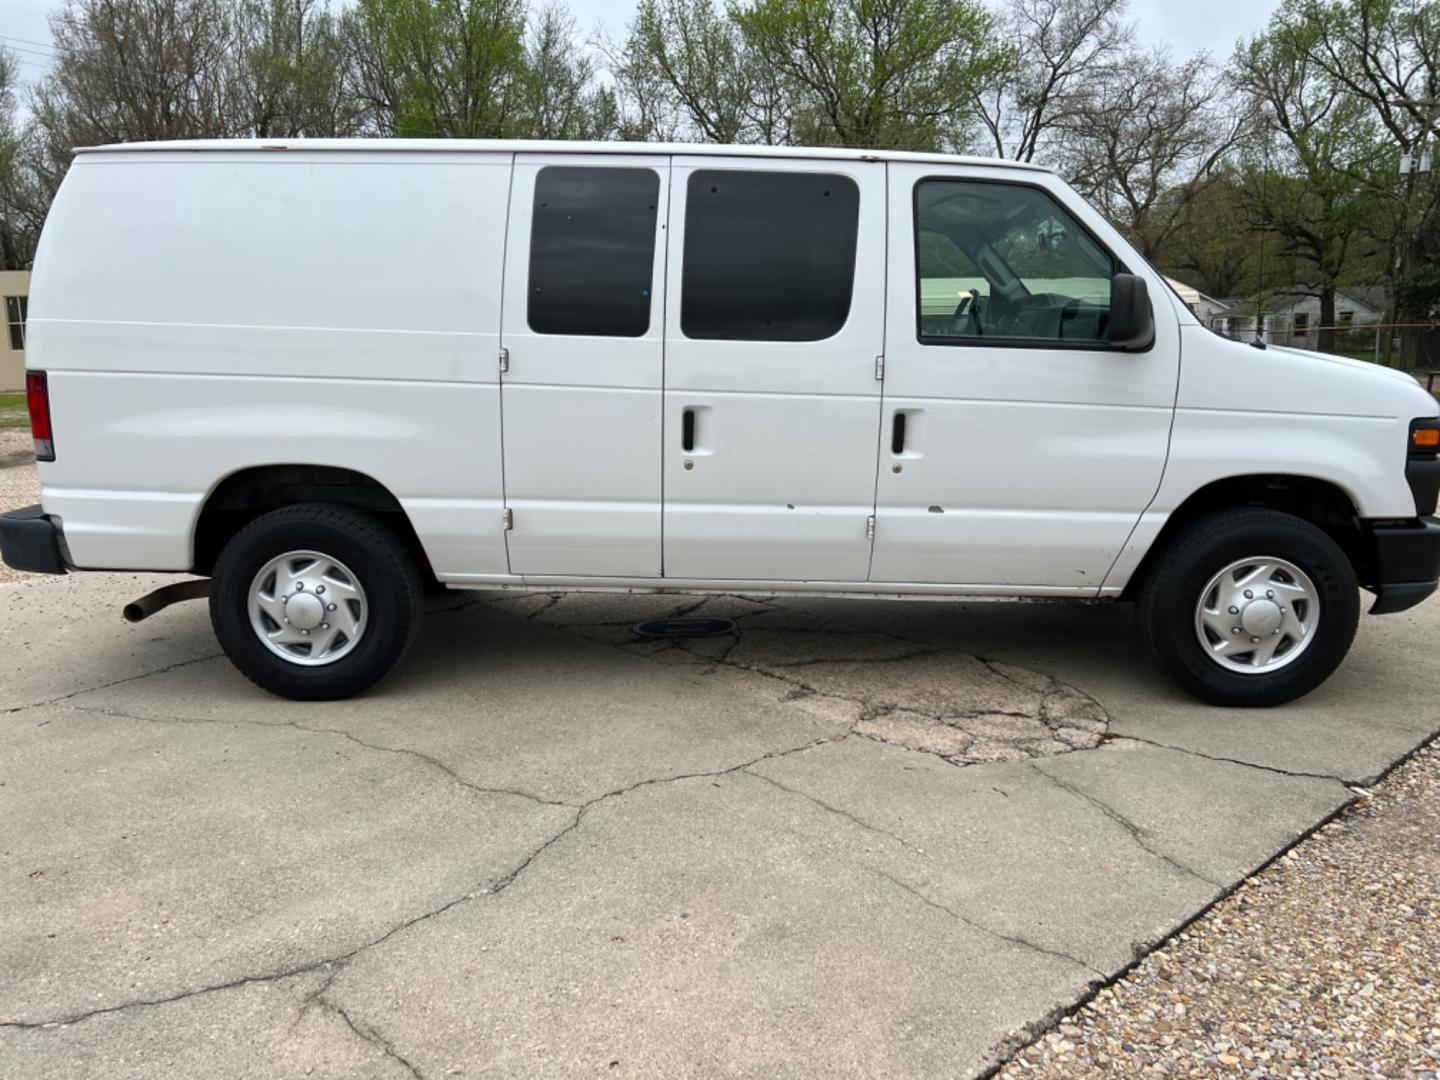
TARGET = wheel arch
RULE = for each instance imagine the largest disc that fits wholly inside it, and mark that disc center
(245, 494)
(1323, 503)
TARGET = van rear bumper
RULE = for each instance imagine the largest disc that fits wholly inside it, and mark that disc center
(1407, 564)
(30, 540)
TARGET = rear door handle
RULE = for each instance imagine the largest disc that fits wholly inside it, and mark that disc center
(687, 430)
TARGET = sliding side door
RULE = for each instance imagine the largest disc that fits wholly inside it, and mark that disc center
(581, 331)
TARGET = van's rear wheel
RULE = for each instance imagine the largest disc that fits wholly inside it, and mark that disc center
(314, 601)
(1250, 607)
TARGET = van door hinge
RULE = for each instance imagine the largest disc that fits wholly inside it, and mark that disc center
(509, 519)
(504, 359)
(870, 527)
(879, 369)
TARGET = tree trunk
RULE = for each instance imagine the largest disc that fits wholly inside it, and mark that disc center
(9, 251)
(1327, 319)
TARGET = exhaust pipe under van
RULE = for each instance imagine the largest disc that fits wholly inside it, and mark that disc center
(163, 597)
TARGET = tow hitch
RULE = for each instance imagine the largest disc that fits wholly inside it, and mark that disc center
(163, 597)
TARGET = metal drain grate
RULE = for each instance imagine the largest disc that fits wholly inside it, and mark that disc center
(684, 628)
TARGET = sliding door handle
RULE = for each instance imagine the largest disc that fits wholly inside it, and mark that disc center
(897, 435)
(687, 430)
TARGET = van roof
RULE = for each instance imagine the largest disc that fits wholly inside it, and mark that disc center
(513, 146)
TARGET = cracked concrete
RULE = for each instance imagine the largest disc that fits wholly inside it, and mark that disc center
(855, 838)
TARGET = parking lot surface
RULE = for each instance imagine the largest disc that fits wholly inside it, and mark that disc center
(854, 838)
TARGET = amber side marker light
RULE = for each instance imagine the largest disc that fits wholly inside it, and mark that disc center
(1425, 438)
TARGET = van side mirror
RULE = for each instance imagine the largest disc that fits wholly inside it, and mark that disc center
(1132, 319)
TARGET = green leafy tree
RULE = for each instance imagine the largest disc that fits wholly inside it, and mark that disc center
(876, 73)
(686, 71)
(1317, 139)
(440, 68)
(1216, 247)
(1385, 55)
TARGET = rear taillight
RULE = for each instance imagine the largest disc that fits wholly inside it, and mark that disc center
(37, 396)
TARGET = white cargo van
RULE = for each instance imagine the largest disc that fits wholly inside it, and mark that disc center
(323, 373)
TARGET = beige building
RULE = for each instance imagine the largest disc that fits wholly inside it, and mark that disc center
(15, 296)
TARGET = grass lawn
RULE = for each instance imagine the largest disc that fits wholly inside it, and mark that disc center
(13, 413)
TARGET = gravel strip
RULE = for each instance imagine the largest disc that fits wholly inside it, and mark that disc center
(1327, 964)
(19, 484)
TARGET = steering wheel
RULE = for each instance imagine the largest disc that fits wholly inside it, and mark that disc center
(1014, 320)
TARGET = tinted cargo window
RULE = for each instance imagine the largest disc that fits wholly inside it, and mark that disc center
(1005, 261)
(769, 256)
(592, 251)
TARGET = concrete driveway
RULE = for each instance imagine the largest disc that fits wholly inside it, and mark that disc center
(859, 838)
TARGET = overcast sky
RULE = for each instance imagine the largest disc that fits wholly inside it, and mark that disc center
(1186, 25)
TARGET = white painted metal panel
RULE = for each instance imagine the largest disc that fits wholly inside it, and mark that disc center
(202, 314)
(582, 416)
(137, 455)
(1023, 467)
(1243, 411)
(782, 481)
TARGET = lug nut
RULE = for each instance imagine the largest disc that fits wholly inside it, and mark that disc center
(1253, 640)
(326, 626)
(287, 618)
(307, 631)
(1234, 610)
(321, 588)
(1269, 594)
(1249, 595)
(329, 607)
(1233, 629)
(300, 587)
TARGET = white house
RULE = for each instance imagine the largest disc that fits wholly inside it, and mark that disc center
(1206, 308)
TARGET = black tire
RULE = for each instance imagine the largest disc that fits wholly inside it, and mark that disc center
(1166, 610)
(393, 589)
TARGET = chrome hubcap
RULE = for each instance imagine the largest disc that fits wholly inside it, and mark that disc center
(1257, 615)
(307, 608)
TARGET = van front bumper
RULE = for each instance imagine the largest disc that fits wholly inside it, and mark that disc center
(30, 540)
(1407, 564)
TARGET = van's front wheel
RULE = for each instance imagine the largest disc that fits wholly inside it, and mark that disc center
(1250, 607)
(315, 602)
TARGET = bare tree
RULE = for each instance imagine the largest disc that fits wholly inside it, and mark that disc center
(1059, 49)
(560, 98)
(22, 204)
(138, 70)
(1150, 139)
(289, 76)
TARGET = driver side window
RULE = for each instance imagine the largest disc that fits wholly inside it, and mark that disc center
(1005, 263)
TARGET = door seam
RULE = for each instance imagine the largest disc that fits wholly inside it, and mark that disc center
(664, 343)
(500, 344)
(885, 372)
